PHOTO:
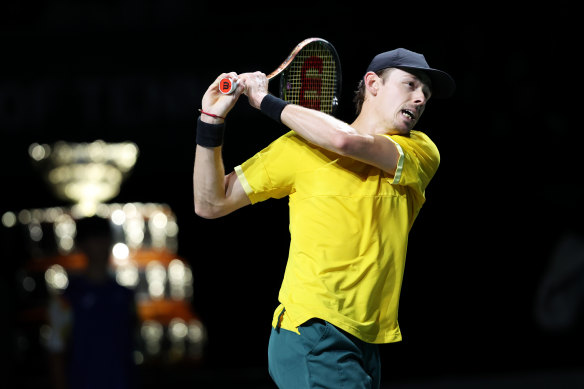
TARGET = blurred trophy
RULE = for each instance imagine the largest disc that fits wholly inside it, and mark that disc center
(85, 174)
(143, 255)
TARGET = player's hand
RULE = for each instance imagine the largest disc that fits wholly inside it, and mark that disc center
(217, 103)
(255, 87)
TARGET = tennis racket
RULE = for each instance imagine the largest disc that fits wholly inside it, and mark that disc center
(310, 76)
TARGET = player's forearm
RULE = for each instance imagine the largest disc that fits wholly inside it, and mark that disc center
(320, 129)
(208, 181)
(337, 136)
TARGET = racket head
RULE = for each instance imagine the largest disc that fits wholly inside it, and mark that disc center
(311, 76)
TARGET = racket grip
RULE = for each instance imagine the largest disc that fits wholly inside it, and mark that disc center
(227, 85)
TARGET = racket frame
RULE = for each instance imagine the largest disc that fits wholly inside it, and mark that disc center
(338, 76)
(288, 61)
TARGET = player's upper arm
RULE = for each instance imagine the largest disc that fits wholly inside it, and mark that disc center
(337, 136)
(234, 192)
(235, 198)
(376, 150)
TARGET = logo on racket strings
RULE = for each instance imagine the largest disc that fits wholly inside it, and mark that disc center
(311, 87)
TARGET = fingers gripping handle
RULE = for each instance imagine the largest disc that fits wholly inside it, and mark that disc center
(227, 85)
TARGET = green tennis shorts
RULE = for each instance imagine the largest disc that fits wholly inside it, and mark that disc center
(322, 356)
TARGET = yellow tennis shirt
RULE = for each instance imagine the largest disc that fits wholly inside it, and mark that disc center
(349, 225)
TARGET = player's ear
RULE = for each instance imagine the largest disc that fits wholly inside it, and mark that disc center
(372, 81)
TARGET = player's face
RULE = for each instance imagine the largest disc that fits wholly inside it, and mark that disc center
(403, 97)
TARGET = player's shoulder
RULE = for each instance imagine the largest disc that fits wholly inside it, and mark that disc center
(418, 143)
(420, 136)
(421, 139)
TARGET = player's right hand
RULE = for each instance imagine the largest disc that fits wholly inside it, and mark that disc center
(219, 103)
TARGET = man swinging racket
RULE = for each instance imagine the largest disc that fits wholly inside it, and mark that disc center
(354, 192)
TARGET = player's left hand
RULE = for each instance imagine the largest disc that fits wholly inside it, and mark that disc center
(255, 87)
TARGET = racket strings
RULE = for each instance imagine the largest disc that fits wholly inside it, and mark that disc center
(311, 79)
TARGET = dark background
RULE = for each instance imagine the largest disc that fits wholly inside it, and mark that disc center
(507, 192)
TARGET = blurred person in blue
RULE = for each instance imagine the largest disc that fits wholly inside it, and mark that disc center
(94, 320)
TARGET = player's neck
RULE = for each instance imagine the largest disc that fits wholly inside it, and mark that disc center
(369, 124)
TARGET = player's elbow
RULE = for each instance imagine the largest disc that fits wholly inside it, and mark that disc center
(206, 214)
(202, 212)
(206, 210)
(339, 143)
(345, 144)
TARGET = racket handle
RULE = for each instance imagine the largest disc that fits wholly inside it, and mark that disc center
(227, 86)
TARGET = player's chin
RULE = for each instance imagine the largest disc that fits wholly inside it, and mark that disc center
(405, 127)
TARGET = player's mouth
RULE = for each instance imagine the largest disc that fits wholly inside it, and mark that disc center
(409, 114)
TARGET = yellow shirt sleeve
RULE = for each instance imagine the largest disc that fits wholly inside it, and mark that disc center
(269, 173)
(418, 162)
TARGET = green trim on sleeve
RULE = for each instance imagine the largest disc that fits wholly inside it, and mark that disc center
(400, 162)
(241, 177)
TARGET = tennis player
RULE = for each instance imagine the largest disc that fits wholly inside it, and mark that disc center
(354, 192)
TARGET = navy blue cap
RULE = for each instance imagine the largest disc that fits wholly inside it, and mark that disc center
(443, 84)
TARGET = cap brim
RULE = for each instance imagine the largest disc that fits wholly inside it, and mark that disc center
(443, 85)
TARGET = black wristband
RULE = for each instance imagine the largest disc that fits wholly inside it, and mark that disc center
(272, 107)
(210, 135)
